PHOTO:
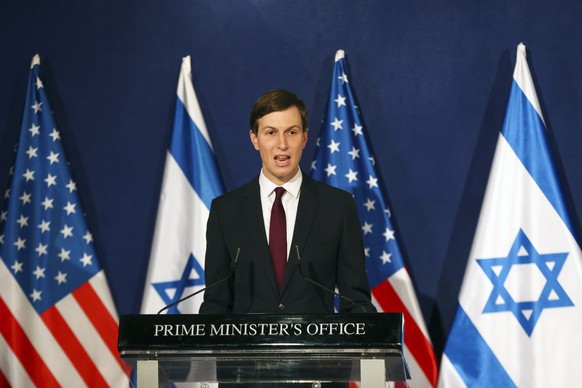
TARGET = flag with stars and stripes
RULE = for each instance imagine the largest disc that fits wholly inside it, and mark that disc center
(345, 160)
(58, 324)
(191, 181)
(519, 312)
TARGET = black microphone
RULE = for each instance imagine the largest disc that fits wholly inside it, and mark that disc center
(321, 285)
(232, 268)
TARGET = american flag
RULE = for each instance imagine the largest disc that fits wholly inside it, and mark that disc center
(59, 324)
(344, 159)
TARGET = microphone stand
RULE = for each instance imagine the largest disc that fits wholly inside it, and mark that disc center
(232, 268)
(307, 278)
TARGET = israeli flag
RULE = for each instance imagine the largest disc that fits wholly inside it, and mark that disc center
(519, 319)
(191, 181)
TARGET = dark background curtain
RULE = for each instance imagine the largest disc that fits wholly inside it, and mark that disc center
(432, 79)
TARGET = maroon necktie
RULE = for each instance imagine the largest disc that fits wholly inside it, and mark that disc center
(278, 236)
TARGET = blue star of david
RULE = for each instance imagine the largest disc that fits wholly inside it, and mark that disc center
(552, 295)
(180, 285)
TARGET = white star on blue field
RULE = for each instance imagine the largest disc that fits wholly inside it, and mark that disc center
(527, 312)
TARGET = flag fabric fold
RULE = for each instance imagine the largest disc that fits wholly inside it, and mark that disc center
(58, 324)
(344, 159)
(519, 311)
(191, 180)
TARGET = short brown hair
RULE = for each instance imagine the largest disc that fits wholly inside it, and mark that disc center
(275, 101)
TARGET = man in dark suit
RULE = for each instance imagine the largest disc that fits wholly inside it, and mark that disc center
(320, 227)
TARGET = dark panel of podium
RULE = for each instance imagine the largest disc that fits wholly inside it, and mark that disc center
(264, 348)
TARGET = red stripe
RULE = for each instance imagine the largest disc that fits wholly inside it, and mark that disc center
(73, 348)
(100, 318)
(24, 350)
(414, 338)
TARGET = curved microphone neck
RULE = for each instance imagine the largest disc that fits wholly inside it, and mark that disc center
(232, 269)
(310, 280)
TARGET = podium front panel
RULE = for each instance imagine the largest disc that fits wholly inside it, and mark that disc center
(264, 347)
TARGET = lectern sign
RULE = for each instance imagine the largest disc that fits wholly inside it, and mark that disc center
(158, 332)
(259, 329)
(275, 348)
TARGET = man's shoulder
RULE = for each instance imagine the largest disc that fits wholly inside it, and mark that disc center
(238, 194)
(319, 188)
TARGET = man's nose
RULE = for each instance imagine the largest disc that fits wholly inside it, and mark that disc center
(282, 141)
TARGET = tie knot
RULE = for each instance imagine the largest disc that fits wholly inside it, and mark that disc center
(279, 191)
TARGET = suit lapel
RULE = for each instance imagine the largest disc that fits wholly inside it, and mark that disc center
(306, 210)
(254, 215)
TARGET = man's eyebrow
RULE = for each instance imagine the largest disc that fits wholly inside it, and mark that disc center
(285, 129)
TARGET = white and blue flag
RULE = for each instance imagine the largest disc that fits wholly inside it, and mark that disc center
(519, 318)
(191, 181)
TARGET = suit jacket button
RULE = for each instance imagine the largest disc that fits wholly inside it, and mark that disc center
(281, 306)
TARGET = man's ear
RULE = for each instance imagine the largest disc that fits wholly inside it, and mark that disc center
(254, 140)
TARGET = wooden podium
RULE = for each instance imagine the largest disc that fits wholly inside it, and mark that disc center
(268, 348)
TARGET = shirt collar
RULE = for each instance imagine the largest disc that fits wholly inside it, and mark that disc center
(293, 186)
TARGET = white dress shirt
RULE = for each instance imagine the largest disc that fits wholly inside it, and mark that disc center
(290, 202)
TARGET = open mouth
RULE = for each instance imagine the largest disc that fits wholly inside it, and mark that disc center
(282, 160)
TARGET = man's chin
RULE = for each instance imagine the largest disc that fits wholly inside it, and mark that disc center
(283, 175)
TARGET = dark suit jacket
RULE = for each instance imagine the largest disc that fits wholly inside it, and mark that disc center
(327, 233)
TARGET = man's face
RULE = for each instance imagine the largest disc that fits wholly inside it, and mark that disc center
(280, 141)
